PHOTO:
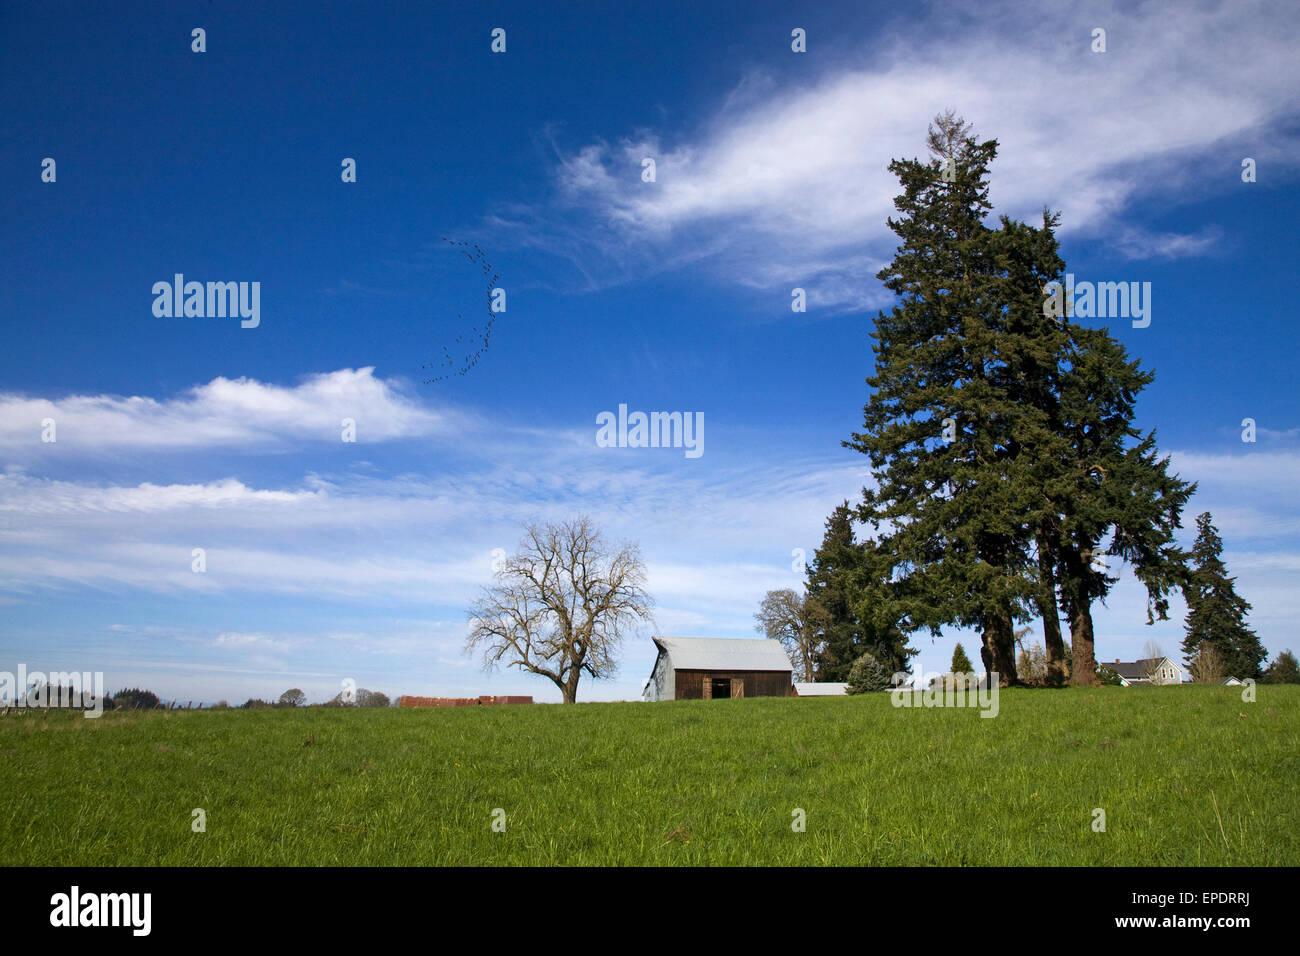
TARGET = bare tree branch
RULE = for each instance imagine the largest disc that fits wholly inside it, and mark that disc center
(1152, 656)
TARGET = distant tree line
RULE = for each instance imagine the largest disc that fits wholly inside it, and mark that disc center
(136, 698)
(294, 697)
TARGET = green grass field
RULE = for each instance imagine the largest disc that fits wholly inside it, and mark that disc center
(1186, 776)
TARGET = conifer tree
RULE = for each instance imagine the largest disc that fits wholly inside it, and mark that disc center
(1031, 372)
(853, 609)
(1110, 480)
(939, 426)
(831, 582)
(1216, 614)
(1087, 470)
(1001, 436)
(960, 662)
(867, 675)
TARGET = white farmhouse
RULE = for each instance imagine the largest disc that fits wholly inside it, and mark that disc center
(1147, 671)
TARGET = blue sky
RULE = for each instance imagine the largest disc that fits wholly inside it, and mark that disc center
(329, 560)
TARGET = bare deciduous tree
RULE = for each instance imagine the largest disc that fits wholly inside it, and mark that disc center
(1209, 667)
(561, 606)
(1152, 657)
(1032, 665)
(798, 622)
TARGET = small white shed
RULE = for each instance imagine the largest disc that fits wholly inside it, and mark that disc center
(820, 689)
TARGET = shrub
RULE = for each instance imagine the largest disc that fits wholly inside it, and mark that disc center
(1107, 676)
(866, 675)
(1283, 670)
(1031, 666)
(1209, 666)
(133, 698)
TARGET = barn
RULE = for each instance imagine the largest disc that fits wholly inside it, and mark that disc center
(706, 668)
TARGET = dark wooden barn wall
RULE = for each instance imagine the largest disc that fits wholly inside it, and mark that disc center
(690, 684)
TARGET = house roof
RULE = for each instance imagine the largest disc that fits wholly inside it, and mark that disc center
(1135, 670)
(724, 653)
(1129, 670)
(821, 689)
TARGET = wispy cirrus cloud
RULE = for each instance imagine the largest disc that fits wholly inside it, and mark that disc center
(1138, 243)
(374, 534)
(782, 186)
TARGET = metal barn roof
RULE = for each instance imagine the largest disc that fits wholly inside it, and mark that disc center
(725, 653)
(822, 689)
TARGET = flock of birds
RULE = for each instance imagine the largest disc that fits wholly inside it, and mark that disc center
(470, 359)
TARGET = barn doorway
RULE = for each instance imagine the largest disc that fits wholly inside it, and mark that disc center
(721, 687)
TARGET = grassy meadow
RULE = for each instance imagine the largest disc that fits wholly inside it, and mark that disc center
(1186, 775)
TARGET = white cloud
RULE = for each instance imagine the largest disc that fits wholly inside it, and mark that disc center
(33, 496)
(789, 185)
(240, 413)
(1251, 494)
(1141, 244)
(356, 535)
(241, 640)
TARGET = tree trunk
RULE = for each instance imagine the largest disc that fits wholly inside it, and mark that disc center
(1051, 617)
(1000, 647)
(568, 684)
(1007, 645)
(1081, 642)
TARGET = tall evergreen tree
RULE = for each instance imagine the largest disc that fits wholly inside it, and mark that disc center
(1087, 469)
(940, 424)
(831, 581)
(1031, 372)
(1110, 480)
(853, 610)
(1001, 436)
(1216, 614)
